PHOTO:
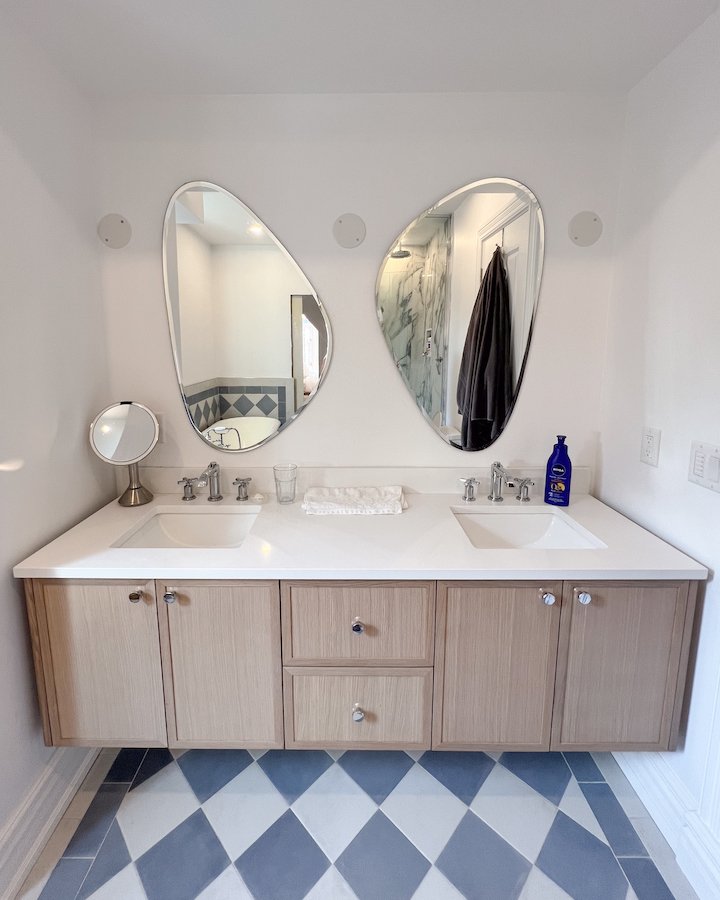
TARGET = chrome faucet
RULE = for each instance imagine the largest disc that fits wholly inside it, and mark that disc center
(469, 489)
(498, 476)
(211, 475)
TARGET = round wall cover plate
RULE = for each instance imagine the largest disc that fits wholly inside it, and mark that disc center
(114, 231)
(349, 230)
(585, 228)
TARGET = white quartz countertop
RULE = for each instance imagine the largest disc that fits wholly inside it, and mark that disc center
(425, 542)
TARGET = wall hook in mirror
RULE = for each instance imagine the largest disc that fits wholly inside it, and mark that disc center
(585, 228)
(349, 230)
(114, 231)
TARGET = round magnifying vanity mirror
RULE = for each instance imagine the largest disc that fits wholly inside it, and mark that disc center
(122, 435)
(456, 297)
(250, 338)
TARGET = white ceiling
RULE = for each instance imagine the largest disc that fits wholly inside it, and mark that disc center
(126, 47)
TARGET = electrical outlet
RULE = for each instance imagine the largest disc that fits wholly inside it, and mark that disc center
(650, 446)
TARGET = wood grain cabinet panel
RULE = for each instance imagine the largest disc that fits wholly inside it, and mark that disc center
(495, 665)
(394, 623)
(621, 665)
(98, 663)
(393, 706)
(221, 655)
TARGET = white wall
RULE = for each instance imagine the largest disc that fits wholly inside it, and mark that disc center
(300, 162)
(663, 370)
(52, 368)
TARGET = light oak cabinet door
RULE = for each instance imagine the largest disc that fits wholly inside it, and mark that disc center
(622, 662)
(365, 708)
(97, 661)
(496, 646)
(221, 656)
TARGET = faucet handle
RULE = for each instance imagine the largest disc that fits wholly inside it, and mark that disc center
(523, 487)
(470, 485)
(188, 485)
(242, 486)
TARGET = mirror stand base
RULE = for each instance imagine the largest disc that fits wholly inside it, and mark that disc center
(135, 494)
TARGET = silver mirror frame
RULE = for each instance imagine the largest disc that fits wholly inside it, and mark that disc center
(209, 185)
(398, 241)
(135, 494)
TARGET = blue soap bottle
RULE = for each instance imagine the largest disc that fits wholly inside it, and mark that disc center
(558, 475)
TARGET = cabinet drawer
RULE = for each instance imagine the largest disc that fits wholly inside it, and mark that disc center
(358, 623)
(393, 705)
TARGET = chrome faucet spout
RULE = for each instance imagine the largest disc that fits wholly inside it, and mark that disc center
(498, 476)
(212, 474)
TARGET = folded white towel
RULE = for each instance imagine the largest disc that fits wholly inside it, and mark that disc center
(354, 501)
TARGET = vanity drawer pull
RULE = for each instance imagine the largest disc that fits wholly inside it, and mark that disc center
(547, 597)
(583, 597)
(358, 714)
(357, 626)
(169, 596)
(135, 596)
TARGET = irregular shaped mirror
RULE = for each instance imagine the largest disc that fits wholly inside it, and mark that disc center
(250, 337)
(456, 297)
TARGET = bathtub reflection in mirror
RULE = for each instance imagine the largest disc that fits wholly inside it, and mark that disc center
(250, 338)
(428, 292)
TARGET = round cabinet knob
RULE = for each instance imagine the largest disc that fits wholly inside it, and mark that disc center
(135, 596)
(584, 598)
(357, 626)
(357, 714)
(548, 598)
(169, 596)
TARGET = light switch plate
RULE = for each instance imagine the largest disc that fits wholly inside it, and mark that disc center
(650, 446)
(705, 465)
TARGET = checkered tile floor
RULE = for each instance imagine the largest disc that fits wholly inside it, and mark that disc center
(280, 825)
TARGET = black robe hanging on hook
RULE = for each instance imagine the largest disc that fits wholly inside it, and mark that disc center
(485, 381)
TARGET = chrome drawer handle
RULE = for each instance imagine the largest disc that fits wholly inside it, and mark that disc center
(357, 626)
(357, 713)
(135, 596)
(169, 596)
(547, 597)
(584, 597)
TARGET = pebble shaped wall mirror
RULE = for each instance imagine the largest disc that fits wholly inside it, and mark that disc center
(250, 338)
(456, 296)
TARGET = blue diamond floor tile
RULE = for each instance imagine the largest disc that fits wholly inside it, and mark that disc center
(645, 879)
(380, 863)
(155, 759)
(378, 772)
(480, 864)
(582, 865)
(293, 771)
(284, 863)
(97, 820)
(184, 862)
(112, 857)
(618, 829)
(125, 766)
(65, 880)
(462, 773)
(547, 773)
(209, 770)
(583, 767)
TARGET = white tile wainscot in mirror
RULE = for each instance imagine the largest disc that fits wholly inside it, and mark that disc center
(451, 626)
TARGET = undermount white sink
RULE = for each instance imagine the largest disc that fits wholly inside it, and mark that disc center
(518, 528)
(221, 527)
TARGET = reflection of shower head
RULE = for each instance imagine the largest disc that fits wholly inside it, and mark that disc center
(399, 253)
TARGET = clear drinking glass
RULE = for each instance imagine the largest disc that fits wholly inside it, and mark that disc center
(285, 478)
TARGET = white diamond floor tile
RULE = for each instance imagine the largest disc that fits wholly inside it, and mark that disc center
(126, 885)
(517, 812)
(575, 805)
(539, 887)
(244, 809)
(435, 886)
(332, 886)
(425, 811)
(227, 886)
(154, 808)
(334, 809)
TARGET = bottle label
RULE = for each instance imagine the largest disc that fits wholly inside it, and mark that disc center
(558, 470)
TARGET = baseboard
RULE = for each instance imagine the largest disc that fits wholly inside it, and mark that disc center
(23, 838)
(673, 809)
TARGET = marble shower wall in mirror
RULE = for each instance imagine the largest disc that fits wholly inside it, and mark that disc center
(250, 337)
(460, 339)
